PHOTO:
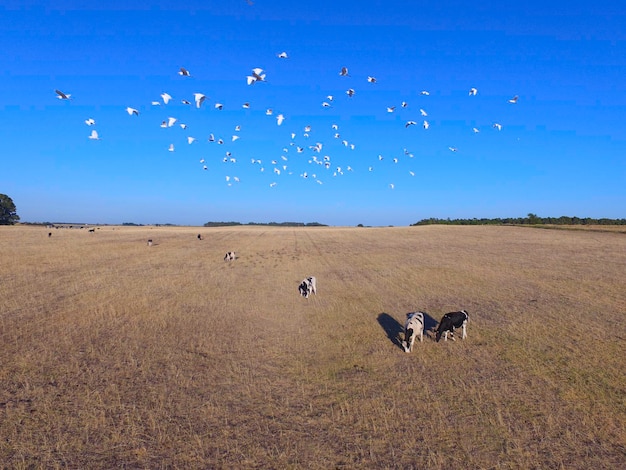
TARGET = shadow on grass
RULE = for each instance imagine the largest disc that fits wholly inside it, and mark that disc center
(391, 326)
(429, 326)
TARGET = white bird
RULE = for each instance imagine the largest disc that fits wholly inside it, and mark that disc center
(235, 137)
(350, 92)
(330, 97)
(335, 127)
(426, 124)
(199, 99)
(166, 97)
(211, 138)
(90, 121)
(410, 123)
(205, 167)
(282, 55)
(307, 128)
(219, 106)
(163, 124)
(171, 121)
(272, 185)
(269, 112)
(132, 111)
(425, 93)
(344, 72)
(237, 128)
(245, 105)
(473, 91)
(423, 113)
(325, 104)
(497, 126)
(62, 96)
(94, 135)
(190, 140)
(395, 160)
(156, 103)
(411, 173)
(476, 130)
(453, 149)
(514, 99)
(391, 109)
(371, 79)
(185, 102)
(257, 76)
(183, 126)
(184, 72)
(392, 186)
(404, 104)
(171, 148)
(279, 119)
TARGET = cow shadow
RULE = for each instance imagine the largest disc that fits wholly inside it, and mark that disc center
(430, 324)
(392, 328)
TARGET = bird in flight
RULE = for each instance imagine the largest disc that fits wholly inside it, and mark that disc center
(282, 55)
(257, 76)
(90, 121)
(94, 135)
(199, 99)
(62, 96)
(371, 79)
(183, 72)
(350, 92)
(344, 72)
(473, 91)
(166, 97)
(514, 99)
(132, 111)
(410, 123)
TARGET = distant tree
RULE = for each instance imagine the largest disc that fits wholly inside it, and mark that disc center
(8, 216)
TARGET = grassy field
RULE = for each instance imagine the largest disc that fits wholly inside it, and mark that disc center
(114, 354)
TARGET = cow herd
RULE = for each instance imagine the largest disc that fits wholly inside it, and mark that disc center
(414, 324)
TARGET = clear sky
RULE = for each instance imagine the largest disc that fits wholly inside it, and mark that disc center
(561, 148)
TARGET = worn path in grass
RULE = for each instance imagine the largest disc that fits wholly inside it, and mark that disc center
(116, 353)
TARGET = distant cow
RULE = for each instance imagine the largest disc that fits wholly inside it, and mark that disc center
(92, 230)
(414, 326)
(308, 286)
(199, 237)
(150, 242)
(230, 256)
(449, 322)
(49, 234)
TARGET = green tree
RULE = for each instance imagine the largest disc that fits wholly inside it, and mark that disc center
(8, 216)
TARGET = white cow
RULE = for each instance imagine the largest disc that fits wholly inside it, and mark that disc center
(308, 286)
(414, 326)
(230, 256)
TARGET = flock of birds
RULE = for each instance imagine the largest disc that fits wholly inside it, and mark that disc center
(300, 143)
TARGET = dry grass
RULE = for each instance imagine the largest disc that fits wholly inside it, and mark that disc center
(116, 354)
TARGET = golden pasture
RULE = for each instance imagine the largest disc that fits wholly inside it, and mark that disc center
(115, 354)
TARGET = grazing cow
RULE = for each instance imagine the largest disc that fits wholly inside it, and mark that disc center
(449, 322)
(199, 237)
(308, 286)
(49, 234)
(150, 242)
(92, 230)
(414, 326)
(230, 256)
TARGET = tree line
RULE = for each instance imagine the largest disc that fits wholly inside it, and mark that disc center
(531, 219)
(276, 224)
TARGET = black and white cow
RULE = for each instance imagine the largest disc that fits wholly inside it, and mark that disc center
(449, 322)
(230, 256)
(308, 286)
(413, 327)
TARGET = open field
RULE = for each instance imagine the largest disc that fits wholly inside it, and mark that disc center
(114, 354)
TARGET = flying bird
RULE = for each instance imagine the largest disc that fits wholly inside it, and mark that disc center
(257, 76)
(426, 124)
(279, 119)
(62, 96)
(94, 135)
(183, 72)
(171, 148)
(371, 79)
(391, 109)
(185, 102)
(132, 111)
(166, 97)
(344, 72)
(282, 55)
(190, 140)
(497, 125)
(350, 92)
(452, 149)
(473, 91)
(245, 105)
(199, 99)
(404, 104)
(514, 99)
(423, 113)
(425, 93)
(219, 106)
(410, 123)
(90, 121)
(171, 121)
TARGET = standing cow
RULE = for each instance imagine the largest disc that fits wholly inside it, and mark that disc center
(308, 286)
(449, 322)
(414, 326)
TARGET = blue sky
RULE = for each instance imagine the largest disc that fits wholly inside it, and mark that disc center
(561, 149)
